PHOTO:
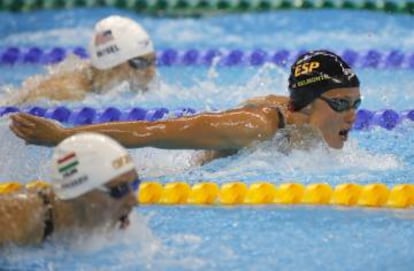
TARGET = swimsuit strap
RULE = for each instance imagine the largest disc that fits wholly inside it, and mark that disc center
(282, 122)
(49, 226)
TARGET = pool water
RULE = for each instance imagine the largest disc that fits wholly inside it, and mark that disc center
(234, 238)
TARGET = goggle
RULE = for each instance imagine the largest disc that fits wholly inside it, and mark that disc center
(140, 63)
(341, 105)
(121, 190)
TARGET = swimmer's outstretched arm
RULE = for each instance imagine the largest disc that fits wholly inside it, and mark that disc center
(230, 130)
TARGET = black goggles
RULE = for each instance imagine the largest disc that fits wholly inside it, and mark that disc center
(341, 105)
(122, 189)
(140, 63)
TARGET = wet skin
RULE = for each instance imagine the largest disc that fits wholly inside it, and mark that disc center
(334, 126)
(229, 130)
(138, 78)
(75, 84)
(116, 209)
(22, 214)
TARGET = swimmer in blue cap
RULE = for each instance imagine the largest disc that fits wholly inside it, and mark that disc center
(94, 183)
(120, 51)
(324, 95)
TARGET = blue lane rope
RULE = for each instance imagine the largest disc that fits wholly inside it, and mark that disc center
(372, 58)
(365, 119)
(89, 115)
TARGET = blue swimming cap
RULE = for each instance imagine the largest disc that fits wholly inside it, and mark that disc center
(316, 72)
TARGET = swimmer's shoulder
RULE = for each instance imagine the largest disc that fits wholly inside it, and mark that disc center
(269, 100)
(21, 217)
(75, 82)
(273, 114)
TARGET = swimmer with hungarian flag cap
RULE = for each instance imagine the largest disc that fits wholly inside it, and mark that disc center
(324, 96)
(94, 187)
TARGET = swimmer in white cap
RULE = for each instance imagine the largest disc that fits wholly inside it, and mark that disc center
(120, 51)
(94, 183)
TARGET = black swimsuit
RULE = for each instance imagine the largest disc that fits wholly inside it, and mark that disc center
(282, 122)
(49, 226)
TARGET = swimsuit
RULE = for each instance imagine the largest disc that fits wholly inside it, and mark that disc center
(49, 226)
(282, 122)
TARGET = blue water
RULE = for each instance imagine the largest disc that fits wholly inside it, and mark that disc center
(234, 238)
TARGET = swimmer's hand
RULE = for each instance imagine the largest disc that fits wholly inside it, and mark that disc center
(36, 130)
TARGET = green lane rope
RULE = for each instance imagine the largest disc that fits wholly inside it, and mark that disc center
(201, 7)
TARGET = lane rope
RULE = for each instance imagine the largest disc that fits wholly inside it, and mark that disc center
(204, 7)
(365, 119)
(239, 193)
(370, 58)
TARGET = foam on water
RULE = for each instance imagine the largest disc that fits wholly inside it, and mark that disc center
(319, 164)
(209, 93)
(242, 238)
(137, 245)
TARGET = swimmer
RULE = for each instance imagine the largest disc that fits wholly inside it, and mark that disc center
(120, 51)
(324, 95)
(94, 183)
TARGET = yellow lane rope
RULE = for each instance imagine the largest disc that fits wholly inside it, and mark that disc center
(239, 193)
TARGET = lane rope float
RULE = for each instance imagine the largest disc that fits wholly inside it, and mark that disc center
(370, 58)
(365, 119)
(267, 193)
(205, 7)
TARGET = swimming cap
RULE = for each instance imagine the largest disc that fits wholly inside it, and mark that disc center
(117, 39)
(316, 72)
(86, 161)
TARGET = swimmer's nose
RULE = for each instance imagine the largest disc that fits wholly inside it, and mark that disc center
(350, 116)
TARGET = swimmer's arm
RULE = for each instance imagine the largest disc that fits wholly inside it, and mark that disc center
(65, 86)
(270, 100)
(21, 220)
(229, 130)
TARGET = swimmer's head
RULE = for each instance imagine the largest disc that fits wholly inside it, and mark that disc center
(316, 72)
(87, 161)
(117, 40)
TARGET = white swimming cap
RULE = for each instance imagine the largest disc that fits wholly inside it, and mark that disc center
(86, 161)
(117, 39)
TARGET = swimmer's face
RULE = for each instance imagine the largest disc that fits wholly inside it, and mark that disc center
(115, 200)
(140, 71)
(334, 114)
(122, 193)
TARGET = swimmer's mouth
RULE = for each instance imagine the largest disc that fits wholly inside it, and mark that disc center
(124, 221)
(344, 134)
